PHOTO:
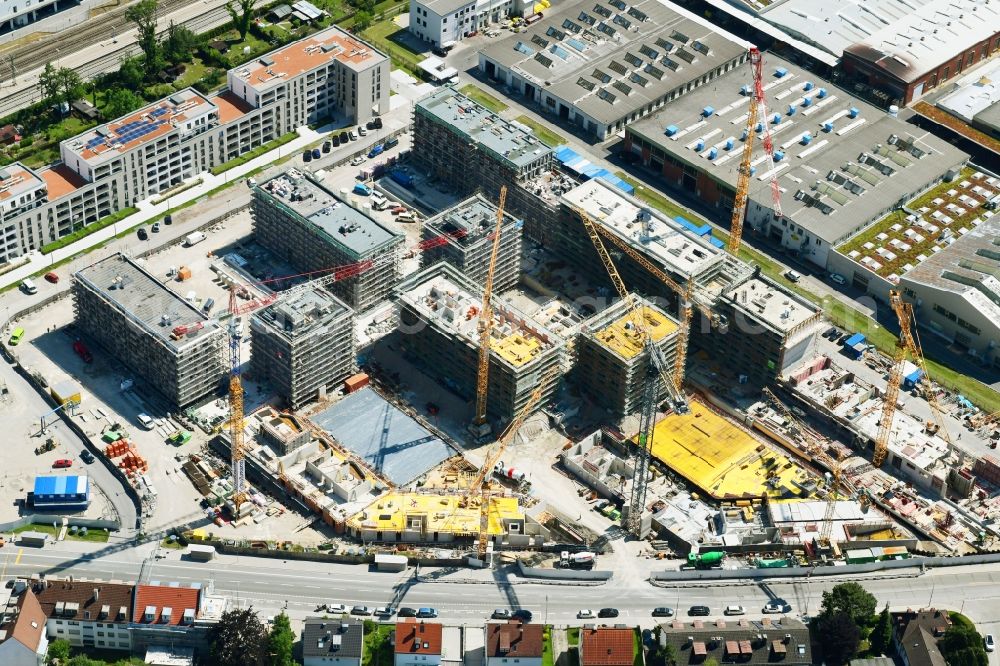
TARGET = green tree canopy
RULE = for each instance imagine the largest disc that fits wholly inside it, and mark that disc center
(119, 102)
(143, 15)
(239, 639)
(839, 637)
(280, 642)
(852, 599)
(130, 74)
(179, 44)
(362, 19)
(963, 646)
(58, 650)
(241, 12)
(881, 637)
(59, 84)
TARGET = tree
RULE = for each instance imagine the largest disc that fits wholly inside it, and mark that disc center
(59, 84)
(852, 599)
(58, 650)
(881, 637)
(179, 44)
(70, 84)
(963, 646)
(48, 84)
(839, 636)
(239, 639)
(120, 102)
(241, 12)
(362, 19)
(143, 15)
(130, 73)
(280, 642)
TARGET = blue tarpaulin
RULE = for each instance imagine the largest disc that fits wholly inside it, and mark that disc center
(566, 154)
(618, 182)
(911, 380)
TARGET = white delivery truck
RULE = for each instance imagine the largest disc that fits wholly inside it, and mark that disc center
(194, 238)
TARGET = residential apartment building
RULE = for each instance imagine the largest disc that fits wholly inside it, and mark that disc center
(607, 646)
(331, 74)
(332, 642)
(328, 75)
(445, 22)
(418, 643)
(160, 336)
(168, 614)
(22, 631)
(15, 14)
(781, 641)
(514, 643)
(88, 614)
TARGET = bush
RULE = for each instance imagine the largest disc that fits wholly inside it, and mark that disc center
(87, 230)
(256, 152)
(26, 141)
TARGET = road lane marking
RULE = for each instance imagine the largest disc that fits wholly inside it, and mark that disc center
(20, 552)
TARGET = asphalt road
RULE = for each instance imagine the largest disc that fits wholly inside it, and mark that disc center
(269, 584)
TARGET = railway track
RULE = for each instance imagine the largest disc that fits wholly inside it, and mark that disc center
(28, 59)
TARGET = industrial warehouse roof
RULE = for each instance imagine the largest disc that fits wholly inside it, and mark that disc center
(512, 142)
(340, 224)
(62, 485)
(146, 301)
(841, 163)
(610, 58)
(975, 93)
(176, 112)
(387, 438)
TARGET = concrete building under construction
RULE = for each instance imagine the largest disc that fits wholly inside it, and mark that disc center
(439, 314)
(468, 229)
(304, 345)
(611, 364)
(300, 220)
(162, 338)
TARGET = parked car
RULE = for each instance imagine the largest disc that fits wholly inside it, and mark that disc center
(391, 142)
(307, 156)
(62, 463)
(989, 643)
(501, 614)
(352, 135)
(327, 146)
(837, 278)
(586, 614)
(699, 611)
(830, 333)
(156, 227)
(378, 122)
(335, 140)
(141, 233)
(370, 125)
(663, 611)
(522, 614)
(344, 137)
(52, 277)
(169, 219)
(439, 52)
(384, 611)
(792, 275)
(406, 612)
(87, 456)
(733, 609)
(358, 161)
(336, 608)
(777, 607)
(316, 154)
(399, 210)
(427, 612)
(362, 131)
(361, 610)
(607, 612)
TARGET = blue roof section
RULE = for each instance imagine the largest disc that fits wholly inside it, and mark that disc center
(61, 485)
(384, 436)
(565, 154)
(855, 339)
(617, 182)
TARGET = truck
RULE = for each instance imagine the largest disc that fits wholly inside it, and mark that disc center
(194, 238)
(82, 351)
(509, 473)
(179, 437)
(403, 178)
(376, 151)
(200, 553)
(583, 560)
(706, 560)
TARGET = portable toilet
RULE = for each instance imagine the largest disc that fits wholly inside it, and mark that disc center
(807, 86)
(776, 118)
(806, 138)
(699, 146)
(854, 112)
(712, 153)
(827, 126)
(707, 111)
(822, 93)
(729, 144)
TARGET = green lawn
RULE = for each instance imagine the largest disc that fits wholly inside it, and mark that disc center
(378, 650)
(477, 94)
(87, 230)
(573, 635)
(542, 132)
(93, 535)
(383, 35)
(835, 310)
(173, 545)
(547, 659)
(196, 69)
(637, 647)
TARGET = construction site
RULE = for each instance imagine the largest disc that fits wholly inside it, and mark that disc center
(549, 347)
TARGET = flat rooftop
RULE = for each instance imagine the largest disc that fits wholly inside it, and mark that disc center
(340, 224)
(442, 513)
(469, 222)
(146, 301)
(148, 124)
(943, 215)
(723, 460)
(510, 142)
(17, 180)
(452, 302)
(609, 59)
(907, 38)
(976, 93)
(621, 336)
(231, 106)
(840, 162)
(305, 313)
(645, 228)
(783, 310)
(319, 50)
(388, 439)
(60, 180)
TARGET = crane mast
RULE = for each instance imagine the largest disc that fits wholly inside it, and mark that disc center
(758, 109)
(479, 424)
(237, 450)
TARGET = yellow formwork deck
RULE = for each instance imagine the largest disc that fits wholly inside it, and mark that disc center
(443, 513)
(516, 349)
(625, 341)
(721, 459)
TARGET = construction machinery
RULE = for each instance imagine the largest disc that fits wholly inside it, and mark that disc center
(907, 342)
(482, 484)
(758, 109)
(237, 449)
(480, 426)
(831, 502)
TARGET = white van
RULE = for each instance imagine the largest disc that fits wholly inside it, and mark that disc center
(378, 200)
(406, 217)
(194, 238)
(146, 421)
(28, 286)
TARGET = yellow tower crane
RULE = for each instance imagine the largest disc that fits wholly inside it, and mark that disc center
(480, 426)
(481, 483)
